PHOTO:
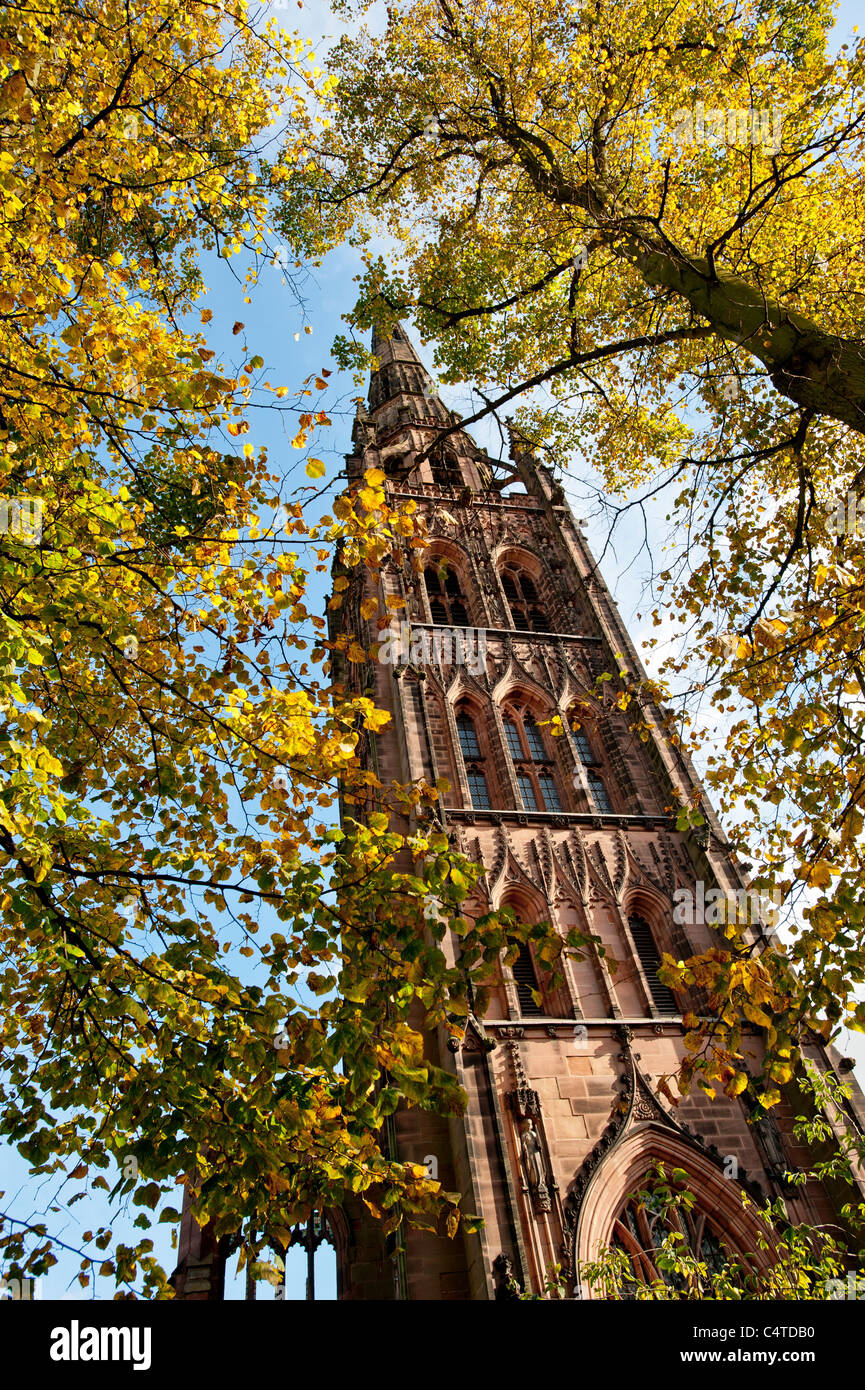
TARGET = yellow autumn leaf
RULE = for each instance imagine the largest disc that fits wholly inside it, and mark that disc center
(737, 1084)
(756, 1015)
(376, 719)
(820, 874)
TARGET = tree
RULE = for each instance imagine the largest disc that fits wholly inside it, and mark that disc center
(650, 218)
(170, 749)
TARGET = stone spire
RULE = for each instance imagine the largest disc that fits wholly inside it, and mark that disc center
(401, 390)
(402, 420)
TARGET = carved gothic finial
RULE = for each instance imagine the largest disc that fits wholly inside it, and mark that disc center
(523, 1100)
(364, 431)
(520, 1079)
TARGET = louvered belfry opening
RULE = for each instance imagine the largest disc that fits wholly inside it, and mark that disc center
(523, 601)
(662, 997)
(447, 604)
(445, 468)
(526, 981)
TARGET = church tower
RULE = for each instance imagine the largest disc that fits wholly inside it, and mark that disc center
(563, 1118)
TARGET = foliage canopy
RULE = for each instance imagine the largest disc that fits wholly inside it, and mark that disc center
(201, 980)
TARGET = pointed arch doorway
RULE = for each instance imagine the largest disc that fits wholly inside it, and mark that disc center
(720, 1226)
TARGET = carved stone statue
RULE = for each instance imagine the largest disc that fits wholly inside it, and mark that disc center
(533, 1164)
(771, 1144)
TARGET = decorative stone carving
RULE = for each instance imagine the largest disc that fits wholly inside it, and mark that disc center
(599, 865)
(665, 845)
(505, 1281)
(534, 1165)
(523, 1100)
(636, 1105)
(475, 1038)
(501, 854)
(577, 858)
(771, 1147)
(544, 853)
(620, 870)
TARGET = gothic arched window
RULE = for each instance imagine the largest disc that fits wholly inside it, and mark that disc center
(527, 792)
(467, 736)
(534, 767)
(549, 794)
(532, 736)
(446, 601)
(662, 996)
(445, 468)
(478, 789)
(640, 1232)
(527, 614)
(313, 1250)
(600, 795)
(584, 748)
(475, 763)
(594, 779)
